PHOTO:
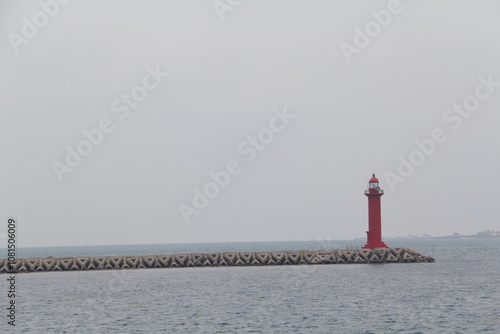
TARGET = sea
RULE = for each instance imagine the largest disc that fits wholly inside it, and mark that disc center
(459, 293)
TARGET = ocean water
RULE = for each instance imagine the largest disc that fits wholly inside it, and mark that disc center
(460, 293)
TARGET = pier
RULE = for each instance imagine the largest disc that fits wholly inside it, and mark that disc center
(225, 259)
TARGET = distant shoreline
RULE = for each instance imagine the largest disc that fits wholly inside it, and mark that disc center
(487, 234)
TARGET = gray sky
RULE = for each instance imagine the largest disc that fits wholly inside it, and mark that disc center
(225, 79)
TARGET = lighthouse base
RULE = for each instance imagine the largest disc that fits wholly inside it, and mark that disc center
(375, 244)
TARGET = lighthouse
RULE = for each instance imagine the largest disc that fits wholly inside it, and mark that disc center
(374, 233)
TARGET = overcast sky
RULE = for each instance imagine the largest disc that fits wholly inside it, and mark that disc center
(349, 104)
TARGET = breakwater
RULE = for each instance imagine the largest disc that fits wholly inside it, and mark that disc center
(302, 257)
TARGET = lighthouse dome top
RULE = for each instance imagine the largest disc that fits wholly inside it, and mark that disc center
(373, 186)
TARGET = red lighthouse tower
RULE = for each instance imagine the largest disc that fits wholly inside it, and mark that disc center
(374, 233)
